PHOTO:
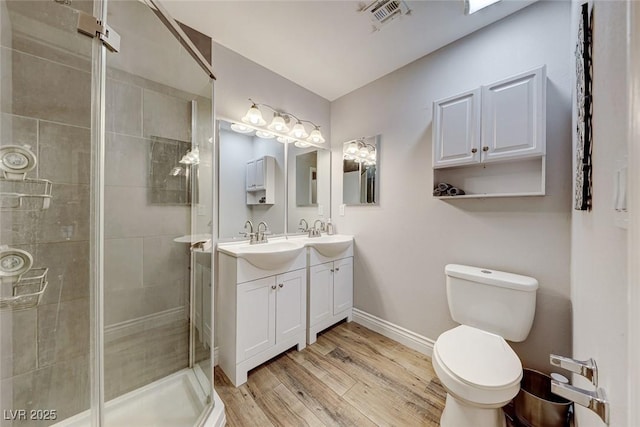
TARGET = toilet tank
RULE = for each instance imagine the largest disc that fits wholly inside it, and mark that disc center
(493, 301)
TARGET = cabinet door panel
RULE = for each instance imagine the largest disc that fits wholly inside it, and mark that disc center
(320, 292)
(259, 179)
(291, 303)
(456, 130)
(251, 175)
(513, 122)
(256, 317)
(342, 285)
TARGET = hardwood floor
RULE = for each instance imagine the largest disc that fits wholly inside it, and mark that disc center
(351, 376)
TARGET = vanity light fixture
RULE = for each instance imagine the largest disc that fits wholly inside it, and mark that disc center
(192, 157)
(299, 131)
(264, 134)
(472, 6)
(279, 127)
(360, 152)
(254, 116)
(285, 139)
(240, 128)
(278, 124)
(316, 136)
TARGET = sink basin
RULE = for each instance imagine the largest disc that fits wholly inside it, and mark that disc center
(266, 256)
(330, 246)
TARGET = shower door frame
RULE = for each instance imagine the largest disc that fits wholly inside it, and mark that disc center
(97, 213)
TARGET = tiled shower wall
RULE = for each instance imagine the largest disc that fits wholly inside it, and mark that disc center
(45, 102)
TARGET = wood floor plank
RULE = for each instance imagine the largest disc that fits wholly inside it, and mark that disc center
(320, 399)
(283, 408)
(387, 409)
(261, 381)
(415, 362)
(351, 376)
(241, 409)
(366, 363)
(332, 376)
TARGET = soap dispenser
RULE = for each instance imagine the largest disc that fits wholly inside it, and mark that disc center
(329, 227)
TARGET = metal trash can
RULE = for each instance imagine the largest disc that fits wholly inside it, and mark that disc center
(536, 406)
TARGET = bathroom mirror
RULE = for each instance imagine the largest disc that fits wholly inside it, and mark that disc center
(361, 171)
(309, 185)
(307, 179)
(250, 182)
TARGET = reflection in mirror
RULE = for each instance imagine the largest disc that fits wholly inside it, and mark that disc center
(309, 186)
(251, 182)
(361, 171)
(307, 179)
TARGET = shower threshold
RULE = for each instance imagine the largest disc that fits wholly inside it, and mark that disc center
(174, 401)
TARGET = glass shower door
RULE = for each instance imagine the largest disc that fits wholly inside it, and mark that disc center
(45, 158)
(157, 236)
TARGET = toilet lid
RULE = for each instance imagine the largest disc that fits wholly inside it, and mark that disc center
(479, 358)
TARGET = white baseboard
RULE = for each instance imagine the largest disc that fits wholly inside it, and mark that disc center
(397, 333)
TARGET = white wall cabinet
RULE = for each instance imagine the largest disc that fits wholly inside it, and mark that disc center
(260, 181)
(456, 130)
(330, 293)
(501, 122)
(258, 317)
(513, 117)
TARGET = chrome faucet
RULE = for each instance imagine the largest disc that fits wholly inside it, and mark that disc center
(261, 236)
(305, 227)
(595, 400)
(250, 234)
(315, 231)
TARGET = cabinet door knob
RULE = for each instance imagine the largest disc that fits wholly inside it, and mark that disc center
(485, 148)
(281, 285)
(474, 150)
(273, 287)
(337, 268)
(331, 270)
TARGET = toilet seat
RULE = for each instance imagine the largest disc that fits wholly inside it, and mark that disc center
(477, 366)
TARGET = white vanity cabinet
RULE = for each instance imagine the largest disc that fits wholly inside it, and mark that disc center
(260, 314)
(330, 291)
(491, 141)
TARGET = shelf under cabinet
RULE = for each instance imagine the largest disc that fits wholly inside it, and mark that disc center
(514, 178)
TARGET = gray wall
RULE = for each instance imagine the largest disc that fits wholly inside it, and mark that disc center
(530, 236)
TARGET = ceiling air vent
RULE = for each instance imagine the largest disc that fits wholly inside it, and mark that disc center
(381, 12)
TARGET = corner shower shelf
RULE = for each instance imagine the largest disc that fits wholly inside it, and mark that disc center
(25, 194)
(26, 291)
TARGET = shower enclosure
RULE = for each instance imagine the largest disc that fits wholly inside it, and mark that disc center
(106, 192)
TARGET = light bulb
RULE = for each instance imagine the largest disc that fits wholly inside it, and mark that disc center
(302, 144)
(299, 131)
(363, 152)
(240, 128)
(254, 116)
(278, 124)
(264, 134)
(316, 137)
(352, 148)
(285, 139)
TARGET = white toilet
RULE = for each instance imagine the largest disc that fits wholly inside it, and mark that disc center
(474, 363)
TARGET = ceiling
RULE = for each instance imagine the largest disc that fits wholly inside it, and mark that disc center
(329, 47)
